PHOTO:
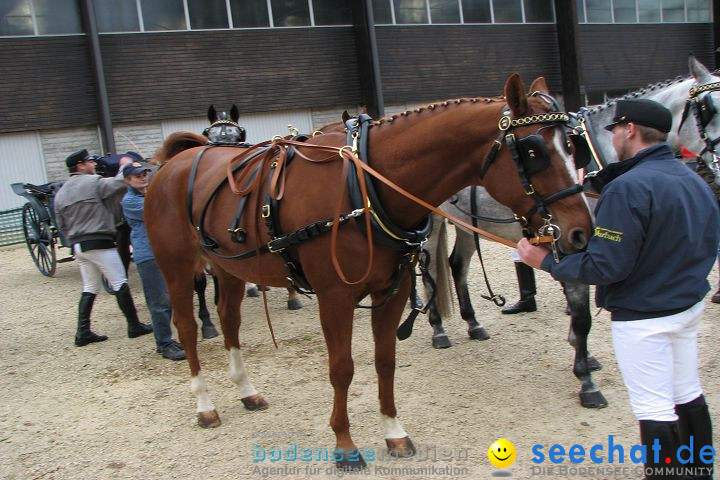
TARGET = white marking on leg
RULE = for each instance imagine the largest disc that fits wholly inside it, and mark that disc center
(199, 388)
(393, 427)
(238, 374)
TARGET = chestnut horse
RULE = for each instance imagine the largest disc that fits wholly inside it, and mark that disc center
(432, 153)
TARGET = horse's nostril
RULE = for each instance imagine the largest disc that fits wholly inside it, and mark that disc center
(578, 238)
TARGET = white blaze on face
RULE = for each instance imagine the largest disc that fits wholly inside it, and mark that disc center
(238, 374)
(199, 388)
(393, 427)
(561, 148)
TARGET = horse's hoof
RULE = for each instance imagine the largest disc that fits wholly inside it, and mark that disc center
(255, 402)
(294, 304)
(593, 364)
(209, 419)
(478, 333)
(252, 292)
(400, 447)
(593, 399)
(441, 341)
(351, 460)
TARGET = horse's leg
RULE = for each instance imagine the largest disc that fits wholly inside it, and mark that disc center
(385, 321)
(252, 290)
(207, 328)
(578, 297)
(440, 339)
(180, 289)
(231, 294)
(293, 301)
(460, 264)
(336, 316)
(437, 281)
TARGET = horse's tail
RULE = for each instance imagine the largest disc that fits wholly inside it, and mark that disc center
(176, 143)
(441, 273)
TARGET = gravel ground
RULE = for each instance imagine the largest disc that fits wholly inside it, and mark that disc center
(119, 410)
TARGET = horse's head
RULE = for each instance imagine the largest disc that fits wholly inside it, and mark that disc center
(224, 128)
(538, 158)
(698, 127)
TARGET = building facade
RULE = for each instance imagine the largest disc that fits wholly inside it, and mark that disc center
(163, 62)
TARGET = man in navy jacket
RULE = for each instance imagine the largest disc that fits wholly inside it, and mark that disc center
(654, 244)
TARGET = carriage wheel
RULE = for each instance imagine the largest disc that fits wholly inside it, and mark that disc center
(40, 241)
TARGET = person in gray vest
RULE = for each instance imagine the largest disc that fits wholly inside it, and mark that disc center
(84, 207)
(654, 245)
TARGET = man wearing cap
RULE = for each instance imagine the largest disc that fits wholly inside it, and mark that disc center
(655, 242)
(154, 286)
(84, 208)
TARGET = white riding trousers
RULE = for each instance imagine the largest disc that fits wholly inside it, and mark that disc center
(658, 359)
(94, 264)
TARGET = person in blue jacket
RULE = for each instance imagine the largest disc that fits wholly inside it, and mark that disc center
(655, 242)
(154, 286)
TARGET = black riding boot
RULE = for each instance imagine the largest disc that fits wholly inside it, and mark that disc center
(694, 421)
(126, 304)
(666, 433)
(526, 283)
(84, 335)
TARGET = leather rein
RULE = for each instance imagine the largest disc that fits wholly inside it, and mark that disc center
(269, 159)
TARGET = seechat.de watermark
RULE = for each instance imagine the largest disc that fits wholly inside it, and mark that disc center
(611, 459)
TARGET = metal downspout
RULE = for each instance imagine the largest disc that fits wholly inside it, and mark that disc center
(377, 80)
(90, 26)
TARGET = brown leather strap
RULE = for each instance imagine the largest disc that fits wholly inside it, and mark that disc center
(278, 147)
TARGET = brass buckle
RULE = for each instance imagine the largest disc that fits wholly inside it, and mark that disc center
(273, 250)
(531, 191)
(265, 211)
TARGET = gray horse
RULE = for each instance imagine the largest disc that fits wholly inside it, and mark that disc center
(692, 115)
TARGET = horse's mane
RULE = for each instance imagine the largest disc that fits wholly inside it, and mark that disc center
(637, 93)
(433, 106)
(176, 143)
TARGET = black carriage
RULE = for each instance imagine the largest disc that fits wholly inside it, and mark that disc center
(39, 225)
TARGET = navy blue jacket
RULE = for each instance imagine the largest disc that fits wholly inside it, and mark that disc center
(655, 241)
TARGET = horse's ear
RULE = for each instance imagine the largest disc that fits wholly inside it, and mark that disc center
(698, 70)
(515, 95)
(540, 85)
(212, 114)
(345, 116)
(234, 113)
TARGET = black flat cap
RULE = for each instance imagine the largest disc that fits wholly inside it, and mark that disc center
(642, 112)
(77, 157)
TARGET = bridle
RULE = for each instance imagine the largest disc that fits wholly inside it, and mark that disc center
(530, 156)
(225, 137)
(704, 111)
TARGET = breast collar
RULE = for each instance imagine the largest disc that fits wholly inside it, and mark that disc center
(385, 230)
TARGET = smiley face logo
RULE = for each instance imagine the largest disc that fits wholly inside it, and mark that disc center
(502, 453)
